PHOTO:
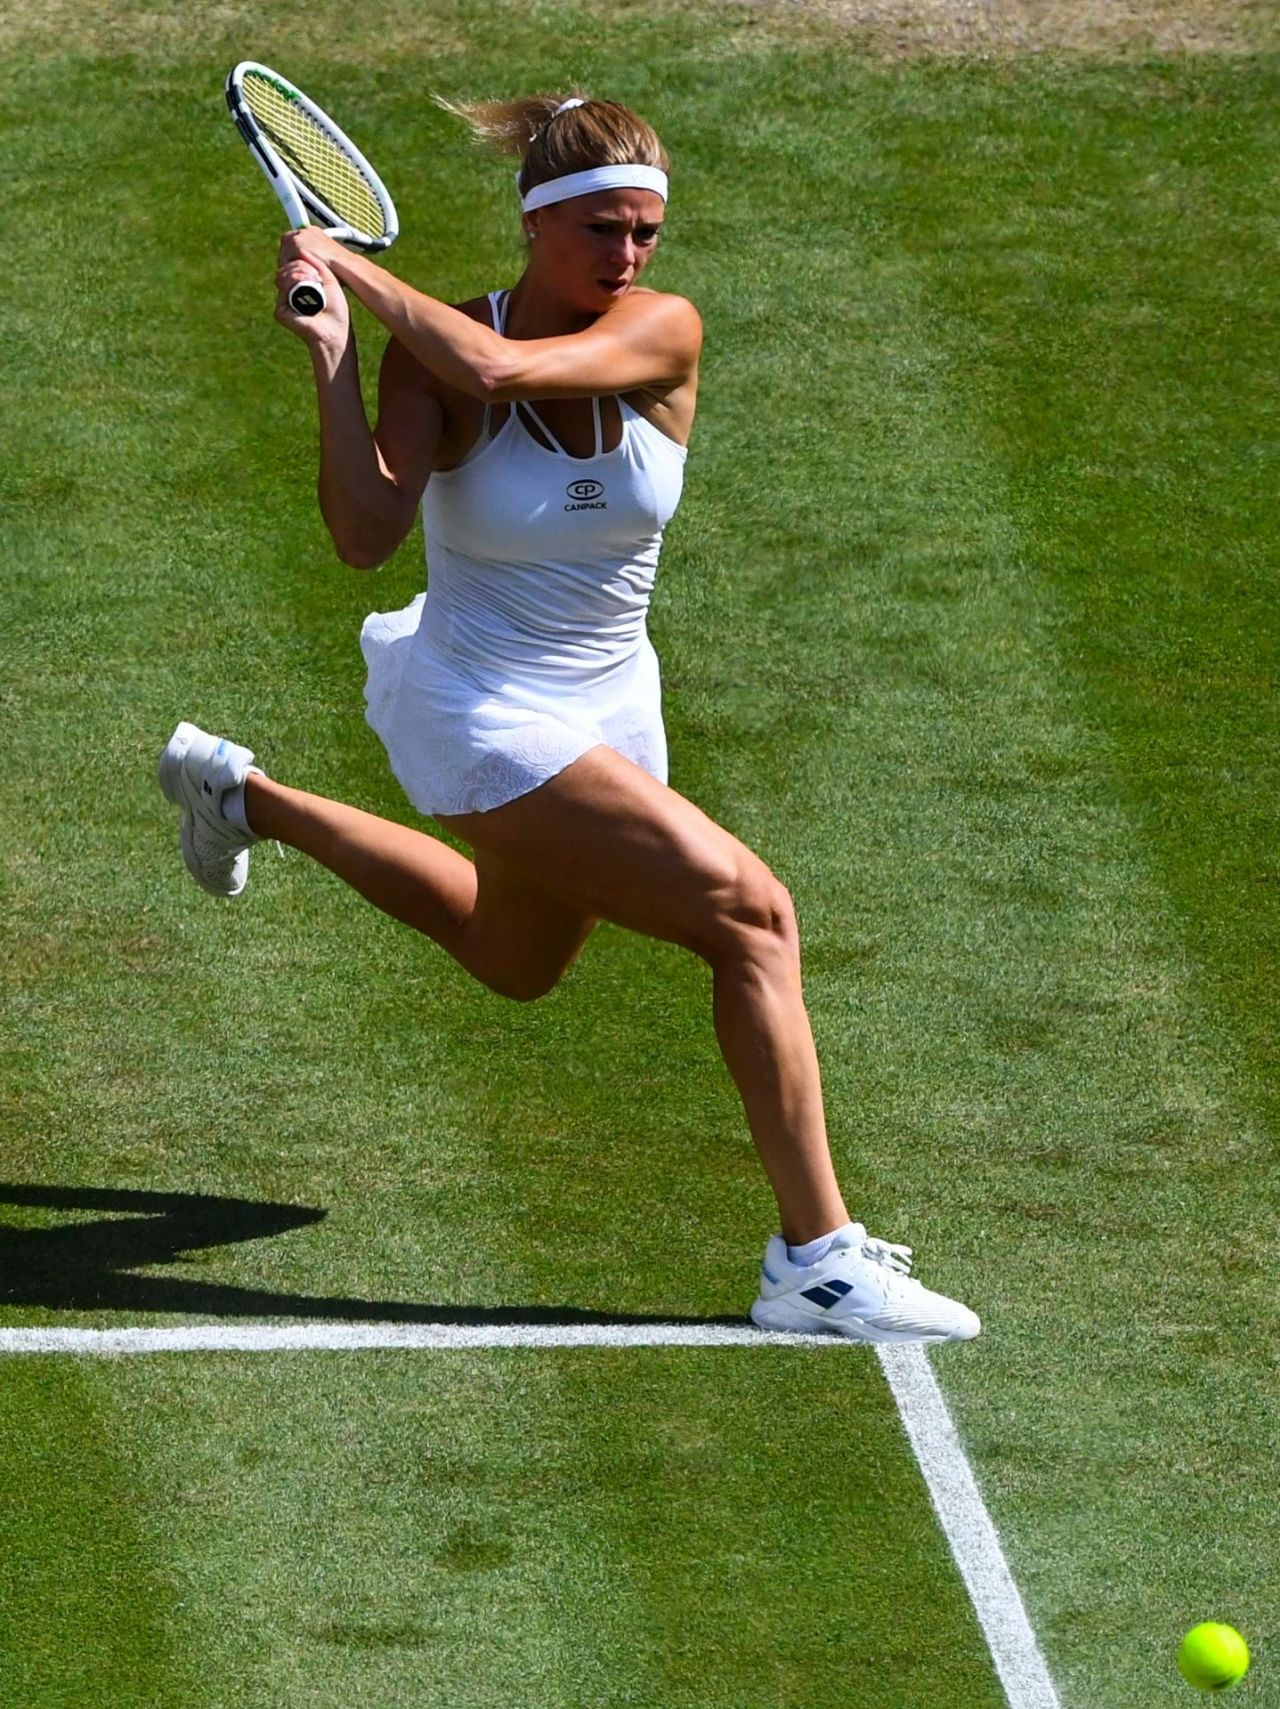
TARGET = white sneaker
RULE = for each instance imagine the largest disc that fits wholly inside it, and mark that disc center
(196, 770)
(862, 1289)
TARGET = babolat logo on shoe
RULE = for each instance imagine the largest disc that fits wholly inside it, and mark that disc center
(827, 1294)
(586, 495)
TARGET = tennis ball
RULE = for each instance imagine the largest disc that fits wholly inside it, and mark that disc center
(1212, 1656)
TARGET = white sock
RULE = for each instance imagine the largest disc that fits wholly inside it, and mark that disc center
(232, 805)
(814, 1251)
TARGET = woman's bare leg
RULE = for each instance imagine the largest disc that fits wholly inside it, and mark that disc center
(499, 923)
(407, 874)
(763, 1030)
(604, 839)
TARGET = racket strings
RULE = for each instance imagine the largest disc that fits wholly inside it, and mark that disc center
(314, 158)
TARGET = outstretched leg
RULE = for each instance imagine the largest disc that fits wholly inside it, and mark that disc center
(409, 875)
(492, 917)
(497, 920)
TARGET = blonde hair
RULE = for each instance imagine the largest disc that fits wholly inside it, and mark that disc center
(551, 144)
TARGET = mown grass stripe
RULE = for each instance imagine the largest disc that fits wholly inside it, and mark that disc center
(86, 1615)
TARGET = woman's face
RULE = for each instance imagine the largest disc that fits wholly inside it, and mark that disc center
(592, 249)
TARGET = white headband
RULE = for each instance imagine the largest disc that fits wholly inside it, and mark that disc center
(598, 178)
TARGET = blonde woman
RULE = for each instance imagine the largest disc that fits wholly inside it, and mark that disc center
(542, 430)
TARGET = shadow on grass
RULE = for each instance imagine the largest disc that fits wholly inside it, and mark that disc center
(92, 1266)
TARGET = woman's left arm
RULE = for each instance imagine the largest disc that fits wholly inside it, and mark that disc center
(648, 340)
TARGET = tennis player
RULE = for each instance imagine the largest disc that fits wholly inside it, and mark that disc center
(543, 432)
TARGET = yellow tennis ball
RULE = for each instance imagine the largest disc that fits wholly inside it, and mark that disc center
(1212, 1656)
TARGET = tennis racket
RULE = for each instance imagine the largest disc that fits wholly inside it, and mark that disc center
(319, 174)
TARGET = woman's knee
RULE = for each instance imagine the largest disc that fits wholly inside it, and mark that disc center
(521, 985)
(524, 972)
(750, 913)
(519, 941)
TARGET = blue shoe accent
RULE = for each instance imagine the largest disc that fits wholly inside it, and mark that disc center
(827, 1294)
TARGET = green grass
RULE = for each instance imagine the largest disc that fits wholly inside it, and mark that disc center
(967, 625)
(472, 1529)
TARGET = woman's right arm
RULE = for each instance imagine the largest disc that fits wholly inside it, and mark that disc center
(370, 482)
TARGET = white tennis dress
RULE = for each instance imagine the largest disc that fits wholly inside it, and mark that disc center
(529, 645)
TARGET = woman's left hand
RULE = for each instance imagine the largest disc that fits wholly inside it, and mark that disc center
(312, 244)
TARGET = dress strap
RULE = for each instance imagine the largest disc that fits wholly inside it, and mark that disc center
(542, 427)
(595, 417)
(498, 321)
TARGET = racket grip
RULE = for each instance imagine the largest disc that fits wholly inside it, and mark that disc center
(307, 297)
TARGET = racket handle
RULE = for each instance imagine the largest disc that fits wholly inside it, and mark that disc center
(307, 297)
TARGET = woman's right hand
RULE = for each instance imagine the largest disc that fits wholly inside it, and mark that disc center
(332, 324)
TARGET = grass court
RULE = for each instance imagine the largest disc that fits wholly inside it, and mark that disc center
(969, 625)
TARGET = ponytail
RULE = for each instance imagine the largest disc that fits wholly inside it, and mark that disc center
(553, 143)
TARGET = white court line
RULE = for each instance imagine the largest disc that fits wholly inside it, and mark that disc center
(346, 1337)
(973, 1539)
